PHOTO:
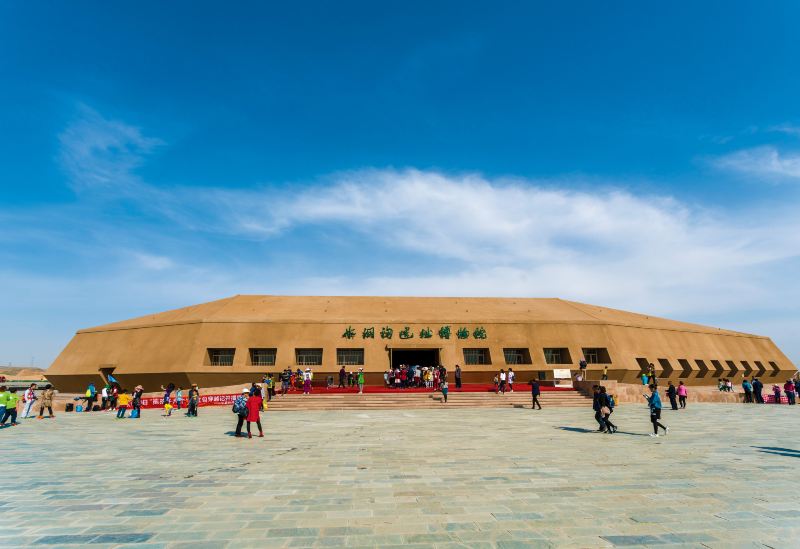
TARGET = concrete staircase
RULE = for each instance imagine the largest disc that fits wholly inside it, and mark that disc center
(405, 401)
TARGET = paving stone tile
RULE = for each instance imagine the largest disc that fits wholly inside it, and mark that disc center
(375, 478)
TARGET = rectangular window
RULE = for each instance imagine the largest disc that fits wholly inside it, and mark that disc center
(349, 357)
(596, 355)
(557, 356)
(221, 357)
(263, 357)
(308, 357)
(477, 356)
(517, 356)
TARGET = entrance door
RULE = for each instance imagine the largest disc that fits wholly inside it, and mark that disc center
(415, 357)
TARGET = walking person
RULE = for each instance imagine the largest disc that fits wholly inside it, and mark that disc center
(511, 376)
(123, 399)
(606, 409)
(178, 398)
(682, 393)
(91, 397)
(458, 376)
(28, 399)
(307, 381)
(136, 412)
(672, 393)
(776, 391)
(598, 417)
(502, 382)
(3, 399)
(254, 404)
(535, 392)
(444, 389)
(114, 394)
(342, 377)
(748, 391)
(104, 397)
(788, 388)
(241, 411)
(360, 380)
(758, 387)
(11, 400)
(654, 403)
(604, 377)
(47, 401)
(194, 401)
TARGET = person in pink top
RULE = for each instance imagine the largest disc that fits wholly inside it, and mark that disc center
(682, 392)
(788, 388)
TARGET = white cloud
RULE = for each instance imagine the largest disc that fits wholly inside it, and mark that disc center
(766, 162)
(99, 153)
(500, 237)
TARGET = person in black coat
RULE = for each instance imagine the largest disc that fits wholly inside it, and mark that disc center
(535, 392)
(672, 393)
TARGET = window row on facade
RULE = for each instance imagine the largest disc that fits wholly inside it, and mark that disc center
(712, 368)
(355, 356)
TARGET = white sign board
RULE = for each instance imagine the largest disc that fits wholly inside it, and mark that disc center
(562, 378)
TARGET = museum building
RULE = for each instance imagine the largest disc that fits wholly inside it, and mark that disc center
(238, 339)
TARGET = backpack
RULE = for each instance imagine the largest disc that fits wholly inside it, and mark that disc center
(240, 407)
(611, 402)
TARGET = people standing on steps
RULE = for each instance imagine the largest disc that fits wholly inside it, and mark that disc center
(672, 393)
(458, 376)
(360, 380)
(444, 388)
(535, 392)
(682, 394)
(28, 400)
(654, 403)
(582, 368)
(342, 377)
(502, 387)
(511, 376)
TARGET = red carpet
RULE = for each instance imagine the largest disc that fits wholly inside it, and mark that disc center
(466, 388)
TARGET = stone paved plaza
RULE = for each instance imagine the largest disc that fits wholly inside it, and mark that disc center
(726, 476)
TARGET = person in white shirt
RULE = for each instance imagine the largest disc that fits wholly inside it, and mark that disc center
(511, 376)
(28, 398)
(503, 381)
(104, 396)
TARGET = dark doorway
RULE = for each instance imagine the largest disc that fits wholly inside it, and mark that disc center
(415, 357)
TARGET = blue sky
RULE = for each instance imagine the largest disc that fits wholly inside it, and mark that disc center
(156, 155)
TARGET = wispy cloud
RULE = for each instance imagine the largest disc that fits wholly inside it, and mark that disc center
(767, 163)
(98, 153)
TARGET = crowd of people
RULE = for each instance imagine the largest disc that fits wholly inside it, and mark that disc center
(10, 399)
(407, 376)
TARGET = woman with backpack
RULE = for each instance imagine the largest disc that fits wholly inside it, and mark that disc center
(136, 412)
(241, 411)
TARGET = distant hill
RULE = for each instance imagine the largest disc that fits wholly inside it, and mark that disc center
(23, 372)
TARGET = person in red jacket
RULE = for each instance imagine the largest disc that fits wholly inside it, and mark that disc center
(254, 404)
